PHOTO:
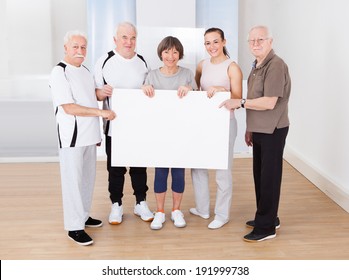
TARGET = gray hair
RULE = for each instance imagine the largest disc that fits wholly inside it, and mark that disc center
(126, 24)
(266, 28)
(73, 33)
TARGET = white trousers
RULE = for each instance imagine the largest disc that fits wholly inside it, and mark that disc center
(78, 174)
(224, 180)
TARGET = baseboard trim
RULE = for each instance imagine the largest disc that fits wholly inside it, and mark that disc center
(332, 189)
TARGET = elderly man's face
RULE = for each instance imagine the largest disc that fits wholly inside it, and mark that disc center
(125, 41)
(75, 50)
(260, 44)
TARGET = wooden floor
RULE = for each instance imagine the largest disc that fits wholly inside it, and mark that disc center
(312, 225)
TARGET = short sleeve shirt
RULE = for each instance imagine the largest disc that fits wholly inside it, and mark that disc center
(270, 79)
(70, 84)
(119, 72)
(183, 77)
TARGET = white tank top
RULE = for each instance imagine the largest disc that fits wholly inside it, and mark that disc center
(215, 74)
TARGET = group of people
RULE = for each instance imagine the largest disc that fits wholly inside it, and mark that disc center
(76, 93)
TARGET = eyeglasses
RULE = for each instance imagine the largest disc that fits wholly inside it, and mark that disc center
(258, 41)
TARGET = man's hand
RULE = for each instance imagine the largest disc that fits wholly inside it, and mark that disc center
(108, 115)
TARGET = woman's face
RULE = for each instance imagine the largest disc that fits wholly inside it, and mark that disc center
(214, 44)
(170, 57)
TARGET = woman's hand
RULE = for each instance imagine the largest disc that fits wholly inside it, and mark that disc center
(148, 90)
(212, 90)
(183, 90)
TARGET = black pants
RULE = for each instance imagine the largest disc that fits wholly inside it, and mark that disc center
(268, 152)
(117, 179)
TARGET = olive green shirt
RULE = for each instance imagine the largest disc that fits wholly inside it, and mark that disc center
(271, 78)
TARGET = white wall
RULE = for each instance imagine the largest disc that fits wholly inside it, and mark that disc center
(312, 38)
(3, 46)
(25, 45)
(152, 29)
(65, 15)
(28, 37)
(180, 13)
(222, 14)
(31, 42)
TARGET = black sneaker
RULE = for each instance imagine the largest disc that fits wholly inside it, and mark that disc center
(80, 237)
(250, 224)
(93, 222)
(253, 237)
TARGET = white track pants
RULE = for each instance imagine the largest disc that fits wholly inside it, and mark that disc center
(78, 173)
(224, 182)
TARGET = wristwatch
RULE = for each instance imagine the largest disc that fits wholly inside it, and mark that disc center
(243, 101)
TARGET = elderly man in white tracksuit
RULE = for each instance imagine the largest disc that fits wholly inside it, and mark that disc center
(77, 117)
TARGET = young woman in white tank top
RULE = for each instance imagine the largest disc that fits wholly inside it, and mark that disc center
(216, 74)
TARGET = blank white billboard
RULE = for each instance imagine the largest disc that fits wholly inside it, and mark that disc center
(168, 131)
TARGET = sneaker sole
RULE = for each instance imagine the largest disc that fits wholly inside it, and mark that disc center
(262, 239)
(82, 244)
(216, 227)
(148, 220)
(155, 228)
(114, 223)
(94, 226)
(179, 226)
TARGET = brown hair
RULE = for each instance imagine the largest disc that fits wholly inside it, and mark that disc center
(221, 33)
(168, 43)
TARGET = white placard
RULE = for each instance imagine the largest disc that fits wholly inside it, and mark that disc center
(168, 131)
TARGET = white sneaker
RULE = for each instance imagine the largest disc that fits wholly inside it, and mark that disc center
(143, 211)
(197, 213)
(115, 216)
(215, 224)
(159, 219)
(178, 218)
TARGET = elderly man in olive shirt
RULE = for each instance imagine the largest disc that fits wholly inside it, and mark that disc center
(269, 88)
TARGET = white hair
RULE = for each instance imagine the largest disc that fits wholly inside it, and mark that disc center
(73, 33)
(126, 24)
(266, 28)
